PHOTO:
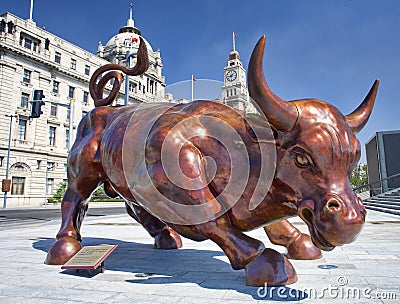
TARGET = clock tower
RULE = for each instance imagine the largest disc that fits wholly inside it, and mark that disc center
(234, 90)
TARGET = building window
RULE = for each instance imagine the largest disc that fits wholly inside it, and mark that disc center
(84, 113)
(1, 161)
(27, 43)
(51, 166)
(87, 69)
(85, 97)
(34, 46)
(18, 185)
(71, 92)
(49, 185)
(21, 129)
(10, 25)
(65, 167)
(27, 76)
(73, 64)
(24, 100)
(53, 110)
(38, 164)
(57, 57)
(47, 44)
(2, 26)
(67, 138)
(68, 113)
(133, 87)
(56, 86)
(52, 136)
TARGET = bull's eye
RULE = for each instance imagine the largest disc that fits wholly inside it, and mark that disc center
(302, 161)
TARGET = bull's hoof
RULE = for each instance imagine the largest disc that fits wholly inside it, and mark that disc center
(167, 239)
(270, 268)
(62, 251)
(303, 249)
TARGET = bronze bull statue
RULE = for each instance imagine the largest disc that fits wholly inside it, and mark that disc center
(173, 164)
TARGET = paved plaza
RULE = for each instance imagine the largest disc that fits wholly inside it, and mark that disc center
(367, 271)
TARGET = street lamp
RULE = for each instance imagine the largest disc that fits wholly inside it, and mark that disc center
(8, 157)
(129, 54)
(71, 122)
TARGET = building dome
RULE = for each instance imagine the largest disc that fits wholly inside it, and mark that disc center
(127, 39)
(234, 55)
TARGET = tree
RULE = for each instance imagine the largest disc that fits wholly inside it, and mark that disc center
(359, 176)
(57, 197)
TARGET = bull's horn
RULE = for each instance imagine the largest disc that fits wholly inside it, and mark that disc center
(280, 113)
(359, 117)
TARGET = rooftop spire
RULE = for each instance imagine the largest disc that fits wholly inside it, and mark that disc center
(130, 22)
(31, 11)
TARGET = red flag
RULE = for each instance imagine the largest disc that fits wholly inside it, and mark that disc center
(134, 39)
(194, 79)
(234, 35)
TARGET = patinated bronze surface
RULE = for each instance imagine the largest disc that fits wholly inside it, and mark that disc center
(312, 149)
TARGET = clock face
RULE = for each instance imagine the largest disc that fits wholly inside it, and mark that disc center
(231, 75)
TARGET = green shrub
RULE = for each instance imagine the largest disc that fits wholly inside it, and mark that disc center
(98, 196)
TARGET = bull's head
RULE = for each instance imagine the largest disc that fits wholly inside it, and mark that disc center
(316, 151)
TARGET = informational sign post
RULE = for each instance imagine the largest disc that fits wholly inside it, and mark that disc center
(90, 257)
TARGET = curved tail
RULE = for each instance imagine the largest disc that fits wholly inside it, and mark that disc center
(96, 90)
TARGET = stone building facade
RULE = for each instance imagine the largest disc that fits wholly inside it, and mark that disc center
(33, 58)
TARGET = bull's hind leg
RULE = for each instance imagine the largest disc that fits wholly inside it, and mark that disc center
(299, 245)
(164, 236)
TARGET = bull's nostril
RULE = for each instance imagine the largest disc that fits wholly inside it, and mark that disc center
(332, 206)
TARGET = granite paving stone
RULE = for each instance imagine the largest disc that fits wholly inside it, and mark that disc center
(197, 273)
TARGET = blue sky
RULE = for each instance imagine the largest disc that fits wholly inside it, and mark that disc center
(327, 49)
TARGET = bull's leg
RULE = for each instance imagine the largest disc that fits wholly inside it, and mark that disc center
(299, 245)
(73, 209)
(263, 266)
(164, 236)
(85, 173)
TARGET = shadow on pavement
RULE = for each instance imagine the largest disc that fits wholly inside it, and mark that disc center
(153, 266)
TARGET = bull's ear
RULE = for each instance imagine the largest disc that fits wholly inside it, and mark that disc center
(359, 117)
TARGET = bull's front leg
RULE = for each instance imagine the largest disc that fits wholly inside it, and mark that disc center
(263, 266)
(299, 245)
(73, 209)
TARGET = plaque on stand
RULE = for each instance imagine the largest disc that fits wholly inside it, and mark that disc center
(90, 258)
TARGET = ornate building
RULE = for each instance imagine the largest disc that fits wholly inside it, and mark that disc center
(234, 90)
(33, 58)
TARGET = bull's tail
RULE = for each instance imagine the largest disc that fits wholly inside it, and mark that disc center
(96, 90)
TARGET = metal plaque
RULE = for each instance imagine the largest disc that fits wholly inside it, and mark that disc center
(89, 257)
